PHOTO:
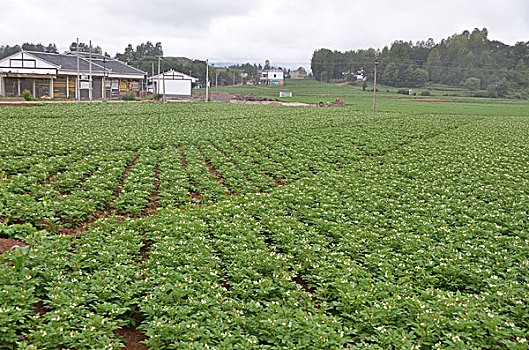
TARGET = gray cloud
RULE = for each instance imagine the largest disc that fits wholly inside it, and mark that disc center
(176, 14)
(286, 32)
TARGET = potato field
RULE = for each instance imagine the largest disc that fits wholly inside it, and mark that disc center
(218, 226)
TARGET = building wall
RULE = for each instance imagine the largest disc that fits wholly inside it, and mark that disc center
(38, 87)
(274, 77)
(113, 88)
(26, 64)
(129, 85)
(175, 87)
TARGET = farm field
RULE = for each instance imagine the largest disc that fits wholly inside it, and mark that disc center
(196, 226)
(311, 92)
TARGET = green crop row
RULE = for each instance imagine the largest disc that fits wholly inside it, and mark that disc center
(316, 229)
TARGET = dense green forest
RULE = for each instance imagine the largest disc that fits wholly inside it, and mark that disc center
(470, 59)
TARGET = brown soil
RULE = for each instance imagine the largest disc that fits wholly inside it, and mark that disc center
(133, 338)
(252, 97)
(221, 151)
(196, 195)
(155, 195)
(125, 172)
(211, 169)
(278, 182)
(184, 160)
(40, 308)
(18, 104)
(144, 250)
(8, 243)
(304, 284)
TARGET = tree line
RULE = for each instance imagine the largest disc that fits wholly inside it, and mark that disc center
(7, 50)
(469, 60)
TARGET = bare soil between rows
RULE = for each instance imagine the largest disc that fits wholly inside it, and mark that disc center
(8, 243)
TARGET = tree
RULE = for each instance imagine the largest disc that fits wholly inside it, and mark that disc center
(33, 47)
(85, 48)
(128, 56)
(325, 76)
(147, 50)
(433, 65)
(499, 88)
(7, 50)
(143, 57)
(420, 77)
(267, 65)
(390, 74)
(52, 48)
(471, 83)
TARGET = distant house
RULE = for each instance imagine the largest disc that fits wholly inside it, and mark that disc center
(296, 74)
(55, 75)
(177, 84)
(272, 77)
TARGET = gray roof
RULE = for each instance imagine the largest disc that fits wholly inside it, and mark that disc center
(99, 63)
(116, 66)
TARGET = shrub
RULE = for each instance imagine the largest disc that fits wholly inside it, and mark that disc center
(26, 94)
(129, 96)
(403, 91)
(426, 93)
(157, 96)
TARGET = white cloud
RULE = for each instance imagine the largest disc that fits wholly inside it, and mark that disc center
(286, 32)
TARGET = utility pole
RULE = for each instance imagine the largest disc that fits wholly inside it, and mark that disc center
(90, 72)
(104, 78)
(375, 88)
(217, 72)
(77, 90)
(163, 82)
(234, 78)
(158, 82)
(207, 77)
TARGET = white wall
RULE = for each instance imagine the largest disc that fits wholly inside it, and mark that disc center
(275, 75)
(30, 65)
(176, 87)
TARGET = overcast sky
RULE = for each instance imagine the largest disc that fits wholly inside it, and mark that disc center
(284, 31)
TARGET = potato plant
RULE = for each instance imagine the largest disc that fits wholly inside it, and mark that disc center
(274, 228)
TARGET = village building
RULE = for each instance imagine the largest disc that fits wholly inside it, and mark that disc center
(172, 84)
(56, 75)
(298, 74)
(272, 77)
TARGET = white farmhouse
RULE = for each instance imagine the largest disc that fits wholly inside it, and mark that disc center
(272, 77)
(177, 84)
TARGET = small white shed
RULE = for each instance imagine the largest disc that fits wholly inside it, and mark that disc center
(177, 84)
